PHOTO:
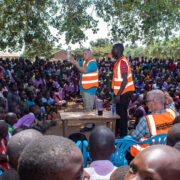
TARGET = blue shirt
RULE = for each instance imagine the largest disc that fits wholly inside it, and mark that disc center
(49, 101)
(142, 129)
(92, 66)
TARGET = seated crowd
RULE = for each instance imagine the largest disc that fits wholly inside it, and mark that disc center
(32, 93)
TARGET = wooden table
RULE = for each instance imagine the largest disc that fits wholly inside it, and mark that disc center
(87, 117)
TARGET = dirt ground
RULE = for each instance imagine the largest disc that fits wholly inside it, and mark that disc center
(73, 128)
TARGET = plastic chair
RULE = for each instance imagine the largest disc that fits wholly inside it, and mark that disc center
(154, 140)
(119, 157)
(86, 155)
(123, 145)
(79, 145)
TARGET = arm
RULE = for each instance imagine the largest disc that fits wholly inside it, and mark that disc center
(142, 129)
(80, 69)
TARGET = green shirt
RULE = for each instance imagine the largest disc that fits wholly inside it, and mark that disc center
(11, 128)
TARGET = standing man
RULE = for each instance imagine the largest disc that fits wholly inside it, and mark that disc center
(88, 79)
(123, 86)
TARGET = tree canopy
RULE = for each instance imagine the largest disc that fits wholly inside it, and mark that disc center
(23, 22)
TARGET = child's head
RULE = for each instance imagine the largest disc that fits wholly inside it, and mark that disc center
(35, 109)
(11, 118)
(3, 129)
(39, 102)
(47, 94)
(51, 157)
(120, 173)
(13, 107)
(101, 143)
(22, 95)
(17, 144)
(13, 87)
(30, 95)
(2, 113)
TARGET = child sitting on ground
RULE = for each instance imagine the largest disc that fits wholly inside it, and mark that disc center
(27, 120)
(11, 119)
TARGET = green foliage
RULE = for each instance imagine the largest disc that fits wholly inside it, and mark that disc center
(37, 49)
(23, 21)
(169, 49)
(145, 20)
(74, 18)
(100, 47)
(78, 53)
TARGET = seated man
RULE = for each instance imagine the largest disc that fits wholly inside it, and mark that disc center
(11, 119)
(17, 144)
(155, 163)
(101, 146)
(51, 158)
(157, 122)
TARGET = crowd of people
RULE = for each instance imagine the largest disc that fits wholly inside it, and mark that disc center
(31, 94)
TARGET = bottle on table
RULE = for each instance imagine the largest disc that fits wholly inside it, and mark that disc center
(114, 109)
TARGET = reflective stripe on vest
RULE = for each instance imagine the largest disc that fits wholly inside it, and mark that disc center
(117, 78)
(158, 124)
(90, 80)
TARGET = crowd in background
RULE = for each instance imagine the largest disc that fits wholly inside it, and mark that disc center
(32, 92)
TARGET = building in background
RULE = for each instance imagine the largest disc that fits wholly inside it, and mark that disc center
(9, 55)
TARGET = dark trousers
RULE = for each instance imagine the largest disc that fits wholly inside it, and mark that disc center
(121, 109)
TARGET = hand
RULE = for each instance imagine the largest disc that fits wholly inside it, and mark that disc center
(86, 176)
(116, 100)
(168, 98)
(73, 62)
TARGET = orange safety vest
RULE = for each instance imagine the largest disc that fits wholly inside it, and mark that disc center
(117, 77)
(90, 80)
(158, 124)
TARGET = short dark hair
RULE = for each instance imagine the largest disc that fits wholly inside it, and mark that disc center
(18, 142)
(119, 46)
(177, 146)
(101, 141)
(119, 173)
(45, 158)
(33, 108)
(176, 120)
(173, 135)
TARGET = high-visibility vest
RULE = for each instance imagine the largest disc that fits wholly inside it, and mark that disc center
(158, 124)
(117, 77)
(90, 80)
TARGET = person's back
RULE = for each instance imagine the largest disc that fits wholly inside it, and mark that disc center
(51, 158)
(101, 146)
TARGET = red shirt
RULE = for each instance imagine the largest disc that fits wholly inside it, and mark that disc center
(123, 66)
(171, 67)
(3, 151)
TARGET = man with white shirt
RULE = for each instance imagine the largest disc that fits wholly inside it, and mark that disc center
(101, 146)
